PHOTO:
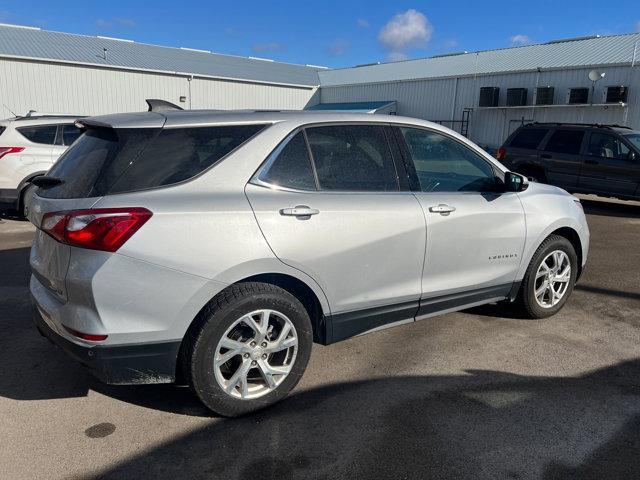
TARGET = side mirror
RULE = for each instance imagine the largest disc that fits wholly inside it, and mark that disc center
(514, 182)
(631, 155)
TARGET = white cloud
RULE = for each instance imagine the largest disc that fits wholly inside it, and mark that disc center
(410, 29)
(520, 39)
(338, 47)
(363, 23)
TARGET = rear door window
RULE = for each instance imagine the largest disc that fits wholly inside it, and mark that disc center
(108, 161)
(291, 166)
(528, 138)
(43, 134)
(352, 158)
(565, 141)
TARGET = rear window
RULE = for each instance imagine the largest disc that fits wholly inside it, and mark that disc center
(109, 161)
(565, 141)
(43, 134)
(528, 138)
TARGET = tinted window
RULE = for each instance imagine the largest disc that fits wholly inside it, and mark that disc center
(528, 138)
(107, 161)
(606, 145)
(70, 134)
(565, 141)
(2, 129)
(291, 166)
(445, 165)
(352, 157)
(45, 134)
(634, 138)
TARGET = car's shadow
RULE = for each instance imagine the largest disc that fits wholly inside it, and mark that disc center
(482, 424)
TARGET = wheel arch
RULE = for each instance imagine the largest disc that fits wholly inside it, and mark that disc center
(573, 237)
(317, 311)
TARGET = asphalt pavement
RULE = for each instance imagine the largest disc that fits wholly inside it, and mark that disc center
(476, 394)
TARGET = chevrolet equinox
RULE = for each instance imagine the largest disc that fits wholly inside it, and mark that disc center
(213, 248)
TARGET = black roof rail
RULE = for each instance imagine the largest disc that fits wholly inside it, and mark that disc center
(575, 124)
(157, 105)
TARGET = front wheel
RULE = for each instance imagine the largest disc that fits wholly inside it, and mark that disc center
(549, 279)
(250, 350)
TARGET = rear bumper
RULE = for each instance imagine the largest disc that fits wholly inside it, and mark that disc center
(121, 364)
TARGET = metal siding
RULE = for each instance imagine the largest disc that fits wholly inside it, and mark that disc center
(611, 50)
(66, 47)
(57, 88)
(433, 99)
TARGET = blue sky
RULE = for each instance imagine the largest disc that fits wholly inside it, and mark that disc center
(332, 33)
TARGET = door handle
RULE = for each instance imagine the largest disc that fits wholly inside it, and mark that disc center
(592, 162)
(545, 155)
(442, 209)
(299, 211)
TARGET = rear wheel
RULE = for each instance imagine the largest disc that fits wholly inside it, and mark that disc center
(549, 279)
(251, 349)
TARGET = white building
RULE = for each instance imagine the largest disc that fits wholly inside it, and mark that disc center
(65, 73)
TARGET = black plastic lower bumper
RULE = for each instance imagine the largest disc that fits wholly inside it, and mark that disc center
(123, 364)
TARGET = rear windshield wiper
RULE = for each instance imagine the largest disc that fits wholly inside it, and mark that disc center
(44, 181)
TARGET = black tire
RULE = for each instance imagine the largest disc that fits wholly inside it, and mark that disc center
(212, 323)
(526, 299)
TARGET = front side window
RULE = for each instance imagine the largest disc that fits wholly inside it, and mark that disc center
(352, 158)
(443, 164)
(607, 146)
(43, 134)
(565, 141)
(291, 166)
(634, 138)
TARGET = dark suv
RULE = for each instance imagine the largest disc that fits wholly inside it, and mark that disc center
(600, 159)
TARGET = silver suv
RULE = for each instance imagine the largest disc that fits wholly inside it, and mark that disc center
(214, 248)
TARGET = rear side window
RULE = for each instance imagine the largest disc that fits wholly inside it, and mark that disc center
(43, 134)
(529, 138)
(352, 158)
(2, 129)
(108, 161)
(565, 141)
(291, 166)
(70, 134)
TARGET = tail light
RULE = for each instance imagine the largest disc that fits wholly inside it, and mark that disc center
(105, 229)
(7, 150)
(92, 337)
(502, 152)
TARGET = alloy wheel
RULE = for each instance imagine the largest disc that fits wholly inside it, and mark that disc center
(552, 279)
(255, 354)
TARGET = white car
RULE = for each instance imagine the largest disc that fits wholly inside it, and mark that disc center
(29, 146)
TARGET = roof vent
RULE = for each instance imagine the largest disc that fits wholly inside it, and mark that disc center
(194, 50)
(574, 39)
(453, 54)
(261, 59)
(125, 40)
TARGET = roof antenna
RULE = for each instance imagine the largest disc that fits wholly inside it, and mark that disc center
(11, 111)
(104, 53)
